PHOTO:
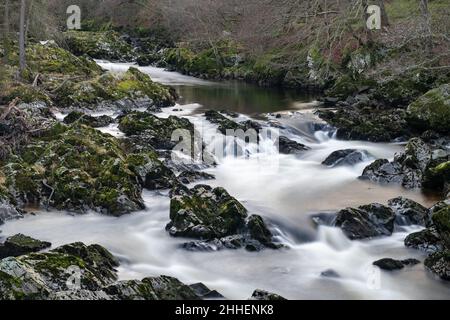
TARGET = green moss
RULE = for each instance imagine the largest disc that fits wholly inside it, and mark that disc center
(99, 45)
(432, 110)
(78, 169)
(56, 262)
(109, 88)
(441, 220)
(26, 94)
(347, 85)
(51, 59)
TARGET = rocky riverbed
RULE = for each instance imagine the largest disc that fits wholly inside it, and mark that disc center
(86, 170)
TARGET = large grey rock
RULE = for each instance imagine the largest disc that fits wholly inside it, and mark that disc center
(367, 221)
(407, 169)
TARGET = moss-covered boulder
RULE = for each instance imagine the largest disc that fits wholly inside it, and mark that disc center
(152, 174)
(149, 129)
(124, 91)
(441, 219)
(432, 110)
(439, 264)
(402, 89)
(37, 275)
(80, 272)
(348, 85)
(106, 45)
(368, 123)
(74, 168)
(156, 288)
(20, 244)
(438, 177)
(51, 59)
(217, 219)
(427, 240)
(94, 122)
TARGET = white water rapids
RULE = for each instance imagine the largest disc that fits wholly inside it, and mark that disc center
(285, 195)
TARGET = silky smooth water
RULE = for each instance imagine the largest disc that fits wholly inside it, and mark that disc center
(285, 191)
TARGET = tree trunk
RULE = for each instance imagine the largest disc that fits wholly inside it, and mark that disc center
(384, 16)
(6, 31)
(22, 61)
(28, 15)
(426, 24)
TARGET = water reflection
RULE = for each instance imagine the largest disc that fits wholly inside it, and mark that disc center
(242, 97)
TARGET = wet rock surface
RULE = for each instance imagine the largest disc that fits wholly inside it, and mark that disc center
(348, 157)
(75, 168)
(367, 221)
(391, 264)
(80, 272)
(144, 128)
(20, 244)
(94, 122)
(262, 295)
(217, 219)
(410, 168)
(288, 146)
(409, 212)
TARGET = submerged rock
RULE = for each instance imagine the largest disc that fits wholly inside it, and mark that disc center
(217, 219)
(348, 157)
(391, 264)
(20, 244)
(367, 221)
(330, 273)
(262, 295)
(409, 212)
(288, 146)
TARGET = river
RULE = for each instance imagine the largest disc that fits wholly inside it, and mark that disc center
(285, 194)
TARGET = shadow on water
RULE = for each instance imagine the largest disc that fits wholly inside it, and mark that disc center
(242, 97)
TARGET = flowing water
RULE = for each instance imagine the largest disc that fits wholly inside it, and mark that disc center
(285, 191)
